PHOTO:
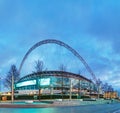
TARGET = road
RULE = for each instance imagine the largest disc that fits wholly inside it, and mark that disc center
(98, 108)
(103, 108)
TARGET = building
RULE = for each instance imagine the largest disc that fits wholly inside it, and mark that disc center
(55, 82)
(110, 95)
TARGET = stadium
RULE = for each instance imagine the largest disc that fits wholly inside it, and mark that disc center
(55, 82)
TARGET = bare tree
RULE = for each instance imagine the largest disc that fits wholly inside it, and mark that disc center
(105, 87)
(62, 67)
(39, 66)
(99, 83)
(110, 88)
(12, 72)
(79, 72)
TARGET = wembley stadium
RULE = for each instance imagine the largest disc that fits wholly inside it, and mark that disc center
(55, 82)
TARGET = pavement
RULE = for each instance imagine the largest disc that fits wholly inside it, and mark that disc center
(93, 108)
(53, 103)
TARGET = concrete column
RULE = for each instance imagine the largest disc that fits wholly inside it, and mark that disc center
(51, 90)
(80, 88)
(70, 89)
(98, 91)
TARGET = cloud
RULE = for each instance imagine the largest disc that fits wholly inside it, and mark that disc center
(89, 27)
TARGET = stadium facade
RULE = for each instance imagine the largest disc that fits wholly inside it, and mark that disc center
(55, 82)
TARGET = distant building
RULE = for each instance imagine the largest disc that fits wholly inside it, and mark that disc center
(110, 95)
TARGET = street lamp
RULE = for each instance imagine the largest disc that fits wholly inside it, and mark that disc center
(12, 89)
(0, 89)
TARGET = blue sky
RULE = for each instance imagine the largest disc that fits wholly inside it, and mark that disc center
(91, 27)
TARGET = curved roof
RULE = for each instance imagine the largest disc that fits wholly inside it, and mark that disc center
(54, 73)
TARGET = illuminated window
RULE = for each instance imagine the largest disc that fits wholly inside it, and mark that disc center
(44, 81)
(26, 83)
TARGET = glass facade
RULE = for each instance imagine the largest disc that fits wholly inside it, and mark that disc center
(53, 83)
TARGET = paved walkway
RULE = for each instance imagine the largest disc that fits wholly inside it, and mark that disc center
(54, 103)
(98, 108)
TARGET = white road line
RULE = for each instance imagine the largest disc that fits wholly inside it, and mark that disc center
(118, 111)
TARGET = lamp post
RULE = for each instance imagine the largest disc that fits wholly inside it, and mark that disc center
(12, 89)
(62, 87)
(0, 89)
(1, 78)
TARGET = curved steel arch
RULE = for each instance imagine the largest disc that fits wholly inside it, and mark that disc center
(61, 44)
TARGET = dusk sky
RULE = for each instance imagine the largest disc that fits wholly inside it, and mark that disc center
(91, 27)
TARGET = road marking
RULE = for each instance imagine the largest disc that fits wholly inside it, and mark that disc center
(118, 111)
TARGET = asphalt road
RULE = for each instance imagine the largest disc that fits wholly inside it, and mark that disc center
(103, 108)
